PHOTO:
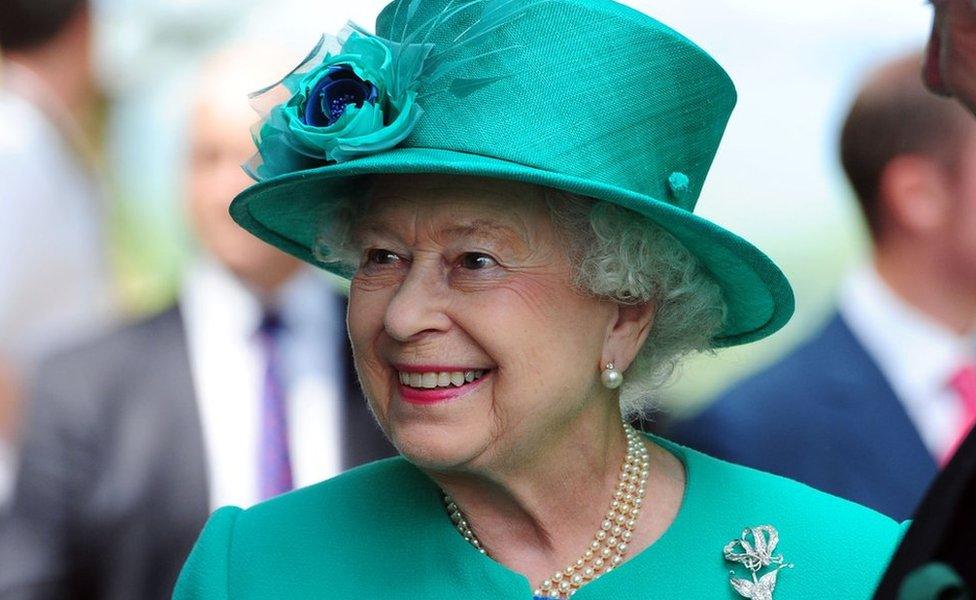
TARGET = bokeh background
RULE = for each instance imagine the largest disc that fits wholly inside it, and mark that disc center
(776, 179)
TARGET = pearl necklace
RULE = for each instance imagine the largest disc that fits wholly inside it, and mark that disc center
(611, 541)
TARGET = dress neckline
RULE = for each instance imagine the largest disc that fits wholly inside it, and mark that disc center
(638, 570)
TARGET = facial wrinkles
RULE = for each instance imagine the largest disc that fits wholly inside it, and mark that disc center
(526, 274)
(423, 279)
(507, 418)
(530, 265)
(438, 225)
(431, 227)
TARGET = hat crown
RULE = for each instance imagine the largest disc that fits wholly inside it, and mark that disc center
(585, 96)
(587, 88)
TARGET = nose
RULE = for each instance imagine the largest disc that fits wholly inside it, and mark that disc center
(418, 307)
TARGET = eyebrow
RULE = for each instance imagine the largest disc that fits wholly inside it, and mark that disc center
(484, 226)
(476, 227)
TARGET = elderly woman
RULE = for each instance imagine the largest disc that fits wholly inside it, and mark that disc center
(509, 185)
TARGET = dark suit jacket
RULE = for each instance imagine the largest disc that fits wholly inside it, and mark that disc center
(112, 488)
(943, 531)
(824, 415)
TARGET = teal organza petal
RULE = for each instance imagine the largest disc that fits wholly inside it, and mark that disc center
(275, 156)
(370, 50)
(322, 142)
(394, 133)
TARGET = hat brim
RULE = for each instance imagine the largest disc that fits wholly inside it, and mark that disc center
(760, 301)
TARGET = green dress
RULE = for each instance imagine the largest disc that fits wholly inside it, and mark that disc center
(381, 532)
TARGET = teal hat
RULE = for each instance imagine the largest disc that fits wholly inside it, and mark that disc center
(585, 96)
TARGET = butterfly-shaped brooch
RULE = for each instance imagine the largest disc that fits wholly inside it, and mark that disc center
(754, 550)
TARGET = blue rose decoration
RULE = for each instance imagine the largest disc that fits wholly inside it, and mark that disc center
(340, 109)
(338, 89)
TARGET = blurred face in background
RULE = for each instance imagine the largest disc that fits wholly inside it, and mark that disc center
(220, 143)
(950, 66)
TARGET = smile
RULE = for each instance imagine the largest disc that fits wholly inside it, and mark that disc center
(433, 385)
(439, 379)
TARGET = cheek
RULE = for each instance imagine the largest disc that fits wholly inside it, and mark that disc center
(542, 334)
(367, 307)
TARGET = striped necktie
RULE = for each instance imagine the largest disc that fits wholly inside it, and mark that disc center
(274, 458)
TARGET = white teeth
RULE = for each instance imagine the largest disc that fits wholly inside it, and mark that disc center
(438, 379)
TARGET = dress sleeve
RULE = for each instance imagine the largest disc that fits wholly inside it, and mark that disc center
(205, 576)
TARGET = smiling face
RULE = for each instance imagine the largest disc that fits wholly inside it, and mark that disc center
(950, 66)
(471, 343)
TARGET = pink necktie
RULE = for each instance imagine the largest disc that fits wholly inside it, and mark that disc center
(964, 384)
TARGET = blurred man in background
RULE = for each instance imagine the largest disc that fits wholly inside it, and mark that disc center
(54, 281)
(239, 393)
(871, 405)
(937, 558)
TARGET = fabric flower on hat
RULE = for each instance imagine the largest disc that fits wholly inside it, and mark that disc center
(340, 109)
(357, 94)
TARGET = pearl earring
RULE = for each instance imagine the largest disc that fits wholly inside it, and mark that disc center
(611, 377)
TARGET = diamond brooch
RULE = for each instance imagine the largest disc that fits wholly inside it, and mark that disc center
(754, 550)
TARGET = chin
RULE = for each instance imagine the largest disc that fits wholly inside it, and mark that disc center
(437, 447)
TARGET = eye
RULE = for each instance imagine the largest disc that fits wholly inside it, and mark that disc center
(378, 256)
(476, 261)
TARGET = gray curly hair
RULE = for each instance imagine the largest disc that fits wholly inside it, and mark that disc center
(619, 255)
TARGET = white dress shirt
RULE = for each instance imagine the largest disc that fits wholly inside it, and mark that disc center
(917, 355)
(54, 280)
(221, 317)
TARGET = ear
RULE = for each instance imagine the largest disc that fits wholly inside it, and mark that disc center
(626, 333)
(915, 195)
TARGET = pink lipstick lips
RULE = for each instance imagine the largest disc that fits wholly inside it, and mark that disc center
(431, 384)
